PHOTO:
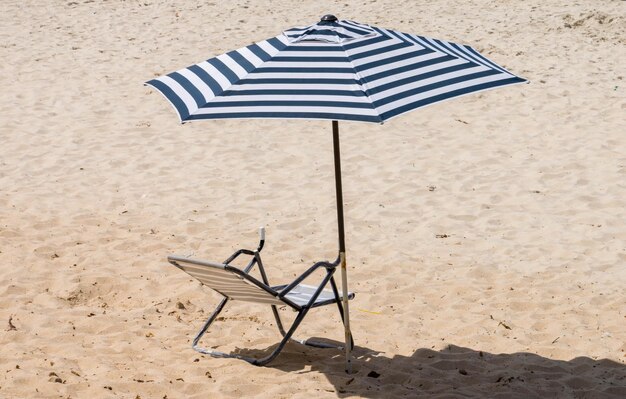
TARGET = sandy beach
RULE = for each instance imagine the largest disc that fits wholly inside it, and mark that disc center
(486, 235)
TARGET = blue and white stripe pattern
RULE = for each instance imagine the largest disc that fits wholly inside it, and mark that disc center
(339, 70)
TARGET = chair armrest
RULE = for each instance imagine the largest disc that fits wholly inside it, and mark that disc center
(244, 251)
(236, 254)
(256, 260)
(330, 267)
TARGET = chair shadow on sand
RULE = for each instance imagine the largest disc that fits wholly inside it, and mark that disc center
(454, 372)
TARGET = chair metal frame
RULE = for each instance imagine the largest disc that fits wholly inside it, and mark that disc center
(279, 292)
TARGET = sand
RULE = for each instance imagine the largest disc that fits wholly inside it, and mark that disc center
(486, 237)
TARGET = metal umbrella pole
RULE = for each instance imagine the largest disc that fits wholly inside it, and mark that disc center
(342, 247)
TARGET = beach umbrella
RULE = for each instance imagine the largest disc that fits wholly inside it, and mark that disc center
(335, 70)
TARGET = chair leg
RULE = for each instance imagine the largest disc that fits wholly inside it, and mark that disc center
(294, 326)
(287, 336)
(308, 341)
(257, 362)
(204, 329)
(279, 322)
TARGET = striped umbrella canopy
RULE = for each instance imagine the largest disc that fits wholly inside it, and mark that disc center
(338, 70)
(334, 69)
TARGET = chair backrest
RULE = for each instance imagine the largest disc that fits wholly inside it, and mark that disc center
(225, 280)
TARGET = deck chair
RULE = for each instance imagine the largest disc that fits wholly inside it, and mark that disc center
(238, 285)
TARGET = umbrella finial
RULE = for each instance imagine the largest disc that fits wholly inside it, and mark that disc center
(329, 18)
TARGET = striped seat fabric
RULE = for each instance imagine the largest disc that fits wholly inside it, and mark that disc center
(227, 283)
(302, 293)
(339, 70)
(233, 286)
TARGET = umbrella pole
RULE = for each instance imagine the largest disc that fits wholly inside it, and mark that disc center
(342, 247)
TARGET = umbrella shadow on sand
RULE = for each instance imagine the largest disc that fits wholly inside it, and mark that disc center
(455, 372)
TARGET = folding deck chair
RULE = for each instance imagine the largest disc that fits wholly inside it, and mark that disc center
(239, 285)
